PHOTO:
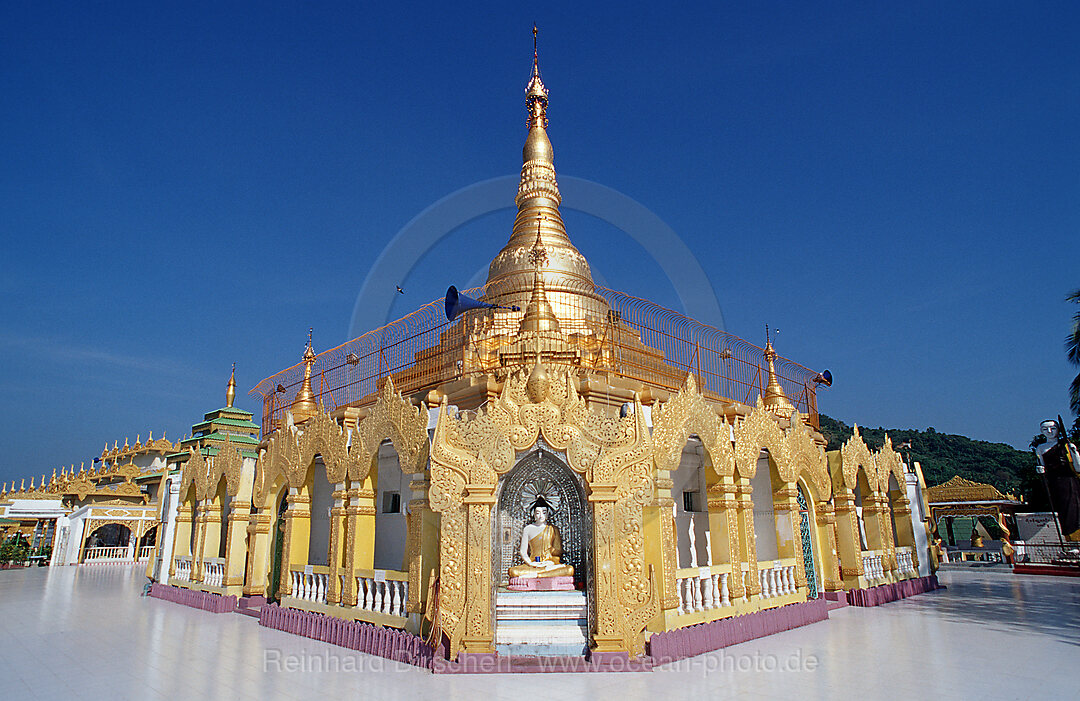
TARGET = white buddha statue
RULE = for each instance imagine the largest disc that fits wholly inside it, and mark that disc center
(541, 547)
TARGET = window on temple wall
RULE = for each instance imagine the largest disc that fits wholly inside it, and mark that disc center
(322, 498)
(391, 503)
(764, 513)
(390, 521)
(691, 516)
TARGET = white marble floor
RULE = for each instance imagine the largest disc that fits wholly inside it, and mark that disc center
(85, 633)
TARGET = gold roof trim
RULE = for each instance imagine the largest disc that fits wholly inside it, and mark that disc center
(960, 489)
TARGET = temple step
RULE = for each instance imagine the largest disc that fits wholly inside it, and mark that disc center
(544, 624)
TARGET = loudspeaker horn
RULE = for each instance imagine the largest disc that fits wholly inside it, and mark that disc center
(824, 378)
(456, 303)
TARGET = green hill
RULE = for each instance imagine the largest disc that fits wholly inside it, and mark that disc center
(943, 455)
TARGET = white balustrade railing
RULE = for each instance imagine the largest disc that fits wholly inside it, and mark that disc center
(703, 589)
(872, 565)
(182, 569)
(776, 578)
(109, 553)
(309, 584)
(905, 563)
(145, 552)
(382, 591)
(213, 572)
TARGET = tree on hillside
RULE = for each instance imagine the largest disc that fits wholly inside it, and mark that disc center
(1072, 352)
(943, 455)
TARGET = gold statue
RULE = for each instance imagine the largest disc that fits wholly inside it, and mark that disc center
(541, 547)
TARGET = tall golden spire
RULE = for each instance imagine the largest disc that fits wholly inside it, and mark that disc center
(304, 404)
(567, 278)
(775, 400)
(230, 391)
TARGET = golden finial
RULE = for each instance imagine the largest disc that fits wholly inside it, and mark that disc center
(536, 95)
(775, 399)
(304, 404)
(125, 443)
(31, 484)
(138, 439)
(230, 390)
(116, 445)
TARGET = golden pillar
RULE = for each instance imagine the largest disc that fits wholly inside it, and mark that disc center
(747, 538)
(337, 538)
(258, 559)
(660, 539)
(830, 561)
(724, 531)
(297, 535)
(607, 636)
(421, 544)
(847, 538)
(479, 631)
(201, 513)
(364, 538)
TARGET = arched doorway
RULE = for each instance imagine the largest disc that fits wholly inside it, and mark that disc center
(541, 474)
(111, 535)
(806, 523)
(277, 547)
(149, 538)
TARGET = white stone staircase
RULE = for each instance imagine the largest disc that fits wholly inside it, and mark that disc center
(541, 623)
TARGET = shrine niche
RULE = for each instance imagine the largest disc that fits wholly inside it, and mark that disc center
(541, 474)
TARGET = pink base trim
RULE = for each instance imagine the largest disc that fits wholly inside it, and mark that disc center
(214, 603)
(541, 583)
(706, 637)
(388, 643)
(876, 596)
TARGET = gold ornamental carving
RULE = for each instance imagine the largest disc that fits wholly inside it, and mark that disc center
(854, 454)
(195, 472)
(807, 457)
(614, 457)
(346, 452)
(685, 414)
(227, 463)
(754, 432)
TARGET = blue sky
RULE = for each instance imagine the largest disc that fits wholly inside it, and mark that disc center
(894, 187)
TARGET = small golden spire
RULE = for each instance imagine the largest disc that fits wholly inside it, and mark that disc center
(304, 404)
(31, 484)
(539, 316)
(775, 399)
(230, 391)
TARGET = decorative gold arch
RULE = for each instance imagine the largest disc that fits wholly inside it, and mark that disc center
(686, 414)
(195, 471)
(228, 463)
(345, 452)
(854, 454)
(614, 457)
(889, 463)
(754, 432)
(807, 457)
